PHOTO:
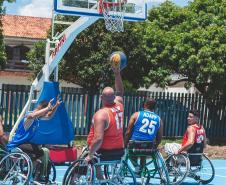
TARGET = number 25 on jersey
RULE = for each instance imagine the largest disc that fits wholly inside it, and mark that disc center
(148, 126)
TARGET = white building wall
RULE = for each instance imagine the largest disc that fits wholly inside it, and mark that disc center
(179, 88)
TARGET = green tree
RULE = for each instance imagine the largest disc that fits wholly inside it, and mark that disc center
(2, 46)
(86, 61)
(190, 41)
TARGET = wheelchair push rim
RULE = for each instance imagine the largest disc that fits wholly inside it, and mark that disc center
(153, 171)
(119, 173)
(16, 167)
(204, 173)
(178, 167)
(78, 174)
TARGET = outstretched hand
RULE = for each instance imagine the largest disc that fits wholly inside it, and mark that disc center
(115, 70)
(115, 63)
(59, 100)
(50, 105)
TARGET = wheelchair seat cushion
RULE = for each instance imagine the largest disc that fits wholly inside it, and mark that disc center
(196, 148)
(195, 160)
(194, 151)
(110, 155)
(142, 147)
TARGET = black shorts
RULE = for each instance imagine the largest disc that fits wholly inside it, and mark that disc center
(33, 150)
(110, 155)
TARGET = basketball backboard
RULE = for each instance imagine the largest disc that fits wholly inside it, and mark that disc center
(135, 10)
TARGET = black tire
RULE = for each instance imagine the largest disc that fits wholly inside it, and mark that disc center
(16, 167)
(178, 167)
(205, 165)
(78, 173)
(68, 172)
(52, 172)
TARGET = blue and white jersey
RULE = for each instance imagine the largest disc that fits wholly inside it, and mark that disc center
(24, 133)
(146, 126)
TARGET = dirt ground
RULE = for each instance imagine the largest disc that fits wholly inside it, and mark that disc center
(216, 152)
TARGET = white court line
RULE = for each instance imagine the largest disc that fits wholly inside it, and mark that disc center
(61, 169)
(220, 168)
(215, 175)
(220, 176)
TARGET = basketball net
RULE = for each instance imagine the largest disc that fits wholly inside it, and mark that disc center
(113, 13)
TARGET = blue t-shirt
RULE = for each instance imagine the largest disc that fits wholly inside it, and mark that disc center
(146, 126)
(23, 134)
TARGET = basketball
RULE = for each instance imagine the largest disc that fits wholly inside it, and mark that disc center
(118, 60)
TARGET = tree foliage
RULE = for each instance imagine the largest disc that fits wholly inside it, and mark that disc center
(2, 46)
(87, 61)
(190, 41)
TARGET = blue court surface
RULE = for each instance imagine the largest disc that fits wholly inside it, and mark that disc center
(219, 165)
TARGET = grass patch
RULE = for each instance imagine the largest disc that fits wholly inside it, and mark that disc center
(164, 141)
(80, 141)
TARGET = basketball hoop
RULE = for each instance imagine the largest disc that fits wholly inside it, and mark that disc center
(113, 13)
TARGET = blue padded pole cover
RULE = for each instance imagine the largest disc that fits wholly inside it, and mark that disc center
(59, 129)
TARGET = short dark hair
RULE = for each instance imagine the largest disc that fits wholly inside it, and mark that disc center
(195, 113)
(150, 103)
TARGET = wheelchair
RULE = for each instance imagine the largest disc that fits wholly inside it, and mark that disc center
(16, 167)
(154, 170)
(194, 164)
(114, 170)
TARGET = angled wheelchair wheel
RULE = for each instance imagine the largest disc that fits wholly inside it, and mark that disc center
(204, 173)
(2, 152)
(15, 168)
(119, 173)
(78, 174)
(51, 172)
(162, 176)
(178, 167)
(50, 177)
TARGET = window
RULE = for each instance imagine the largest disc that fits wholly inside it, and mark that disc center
(16, 53)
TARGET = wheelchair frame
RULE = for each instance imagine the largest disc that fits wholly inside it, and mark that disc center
(19, 165)
(114, 172)
(191, 171)
(146, 173)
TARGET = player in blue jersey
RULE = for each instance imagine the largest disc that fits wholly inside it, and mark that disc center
(28, 127)
(145, 125)
(26, 130)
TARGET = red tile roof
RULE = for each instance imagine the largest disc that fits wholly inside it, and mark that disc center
(26, 27)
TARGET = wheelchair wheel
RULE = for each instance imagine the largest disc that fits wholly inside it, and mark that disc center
(204, 173)
(119, 173)
(15, 168)
(163, 175)
(78, 174)
(52, 173)
(178, 167)
(38, 174)
(2, 152)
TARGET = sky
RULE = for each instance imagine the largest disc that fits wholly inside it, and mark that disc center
(43, 8)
